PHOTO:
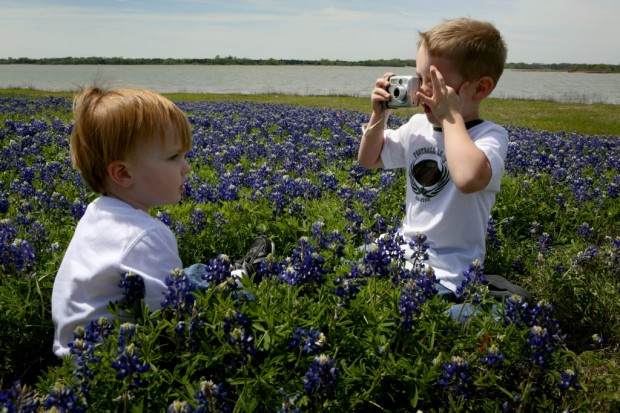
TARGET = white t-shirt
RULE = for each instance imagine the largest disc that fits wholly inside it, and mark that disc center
(454, 223)
(112, 238)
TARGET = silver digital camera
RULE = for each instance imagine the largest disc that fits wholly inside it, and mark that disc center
(403, 91)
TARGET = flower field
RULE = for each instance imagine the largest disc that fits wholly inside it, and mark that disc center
(323, 325)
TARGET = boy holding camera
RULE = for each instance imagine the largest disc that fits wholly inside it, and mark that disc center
(454, 160)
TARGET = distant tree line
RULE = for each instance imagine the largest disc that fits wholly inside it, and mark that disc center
(231, 60)
(217, 60)
(566, 67)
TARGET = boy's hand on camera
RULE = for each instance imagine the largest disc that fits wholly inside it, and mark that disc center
(380, 95)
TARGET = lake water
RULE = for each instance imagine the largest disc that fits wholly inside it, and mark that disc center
(299, 80)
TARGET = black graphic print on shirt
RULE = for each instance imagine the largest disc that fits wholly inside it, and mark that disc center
(428, 173)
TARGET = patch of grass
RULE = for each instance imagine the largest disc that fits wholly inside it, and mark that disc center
(589, 119)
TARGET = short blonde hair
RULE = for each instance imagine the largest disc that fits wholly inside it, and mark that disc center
(109, 123)
(476, 48)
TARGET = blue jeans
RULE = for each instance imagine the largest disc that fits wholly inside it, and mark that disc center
(460, 312)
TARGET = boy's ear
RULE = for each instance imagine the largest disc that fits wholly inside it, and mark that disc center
(119, 174)
(484, 87)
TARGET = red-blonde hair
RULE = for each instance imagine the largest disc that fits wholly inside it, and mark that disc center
(109, 123)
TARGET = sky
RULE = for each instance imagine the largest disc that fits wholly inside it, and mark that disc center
(536, 31)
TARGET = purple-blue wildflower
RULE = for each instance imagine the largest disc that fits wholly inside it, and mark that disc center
(179, 296)
(64, 399)
(472, 283)
(321, 379)
(456, 378)
(211, 398)
(133, 289)
(494, 355)
(18, 399)
(289, 405)
(414, 293)
(240, 335)
(586, 256)
(305, 266)
(180, 406)
(310, 341)
(568, 380)
(128, 364)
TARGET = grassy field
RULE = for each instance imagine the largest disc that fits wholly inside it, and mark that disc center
(589, 119)
(318, 333)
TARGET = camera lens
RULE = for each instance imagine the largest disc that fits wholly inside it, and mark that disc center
(400, 93)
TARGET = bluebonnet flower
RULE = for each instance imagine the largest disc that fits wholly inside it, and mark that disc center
(333, 241)
(494, 356)
(218, 270)
(586, 256)
(180, 406)
(179, 296)
(456, 378)
(379, 226)
(22, 254)
(82, 348)
(544, 244)
(347, 287)
(321, 379)
(419, 251)
(540, 343)
(4, 204)
(492, 239)
(77, 209)
(345, 193)
(545, 333)
(311, 341)
(211, 398)
(386, 179)
(473, 283)
(289, 404)
(64, 399)
(133, 289)
(128, 364)
(357, 172)
(18, 399)
(240, 336)
(179, 228)
(164, 216)
(196, 220)
(385, 258)
(568, 380)
(229, 192)
(304, 266)
(415, 292)
(328, 180)
(585, 231)
(613, 189)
